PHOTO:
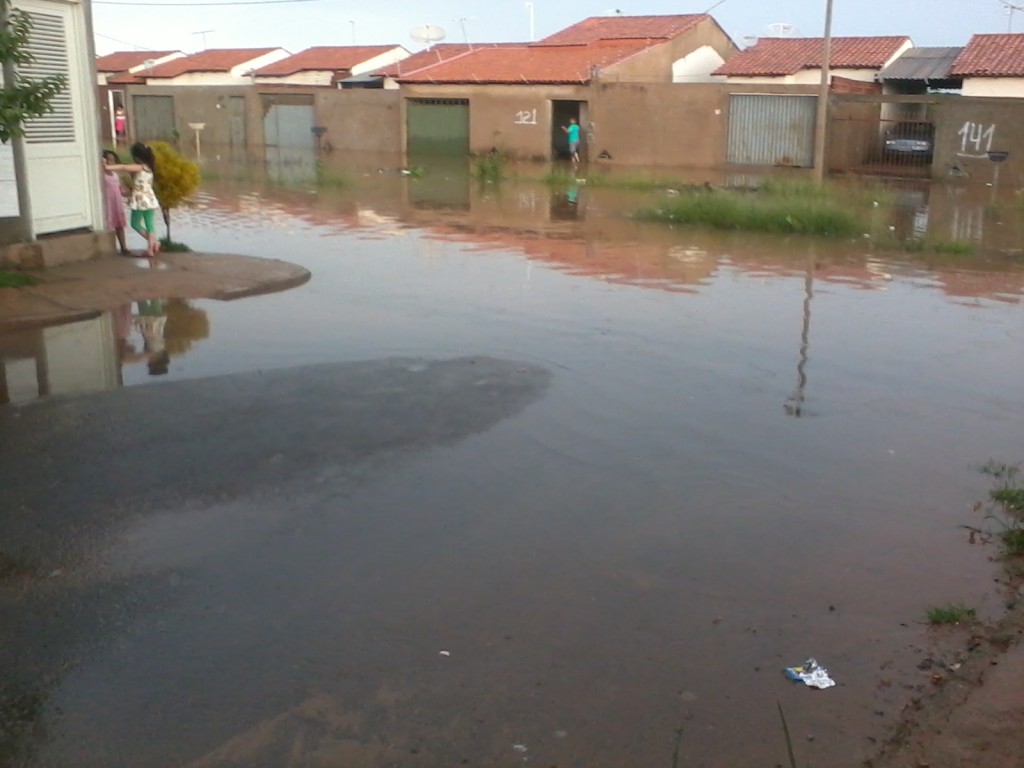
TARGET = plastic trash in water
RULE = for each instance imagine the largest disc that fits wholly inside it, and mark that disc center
(810, 673)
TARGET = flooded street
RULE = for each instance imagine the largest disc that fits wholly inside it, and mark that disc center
(512, 480)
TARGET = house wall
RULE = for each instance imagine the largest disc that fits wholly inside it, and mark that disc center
(683, 125)
(655, 64)
(316, 77)
(516, 118)
(363, 124)
(807, 77)
(966, 129)
(379, 62)
(358, 122)
(999, 87)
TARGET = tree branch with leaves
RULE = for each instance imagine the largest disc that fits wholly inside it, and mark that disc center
(21, 98)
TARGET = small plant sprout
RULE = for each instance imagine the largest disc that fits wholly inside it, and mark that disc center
(953, 613)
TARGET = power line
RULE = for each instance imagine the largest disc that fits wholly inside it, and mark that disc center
(214, 2)
(123, 42)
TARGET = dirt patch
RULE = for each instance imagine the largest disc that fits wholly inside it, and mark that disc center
(974, 713)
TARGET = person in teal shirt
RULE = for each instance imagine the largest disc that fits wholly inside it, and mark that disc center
(573, 131)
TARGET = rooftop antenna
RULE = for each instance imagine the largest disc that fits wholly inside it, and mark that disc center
(352, 23)
(782, 29)
(1010, 8)
(465, 35)
(529, 10)
(427, 34)
(204, 33)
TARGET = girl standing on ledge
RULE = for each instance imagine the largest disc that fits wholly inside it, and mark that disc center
(142, 199)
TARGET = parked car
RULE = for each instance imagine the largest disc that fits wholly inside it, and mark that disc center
(909, 141)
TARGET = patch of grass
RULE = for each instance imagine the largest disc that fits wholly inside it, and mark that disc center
(953, 613)
(917, 245)
(16, 280)
(1003, 510)
(792, 212)
(491, 166)
(636, 183)
(171, 246)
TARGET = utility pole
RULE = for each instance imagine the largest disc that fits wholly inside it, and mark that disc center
(821, 117)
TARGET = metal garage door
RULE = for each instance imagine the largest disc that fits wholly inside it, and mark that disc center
(437, 126)
(289, 142)
(153, 117)
(767, 129)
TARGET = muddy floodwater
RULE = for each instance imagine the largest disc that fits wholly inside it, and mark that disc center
(512, 480)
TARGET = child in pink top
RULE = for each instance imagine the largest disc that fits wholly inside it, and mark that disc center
(113, 203)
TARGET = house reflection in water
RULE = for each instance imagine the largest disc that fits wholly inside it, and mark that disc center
(88, 355)
(58, 360)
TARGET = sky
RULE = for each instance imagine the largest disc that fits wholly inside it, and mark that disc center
(192, 25)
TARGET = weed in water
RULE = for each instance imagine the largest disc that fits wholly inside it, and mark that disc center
(172, 246)
(490, 167)
(953, 613)
(16, 280)
(1003, 511)
(758, 212)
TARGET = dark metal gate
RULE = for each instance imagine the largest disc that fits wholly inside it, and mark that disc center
(437, 126)
(153, 118)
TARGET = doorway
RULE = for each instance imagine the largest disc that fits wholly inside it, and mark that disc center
(561, 113)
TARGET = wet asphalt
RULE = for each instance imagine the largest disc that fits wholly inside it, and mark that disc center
(173, 553)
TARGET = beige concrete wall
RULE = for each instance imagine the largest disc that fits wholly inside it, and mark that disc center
(1001, 87)
(366, 122)
(514, 118)
(966, 129)
(682, 124)
(655, 64)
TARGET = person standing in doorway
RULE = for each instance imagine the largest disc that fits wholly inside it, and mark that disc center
(113, 199)
(572, 130)
(143, 201)
(120, 125)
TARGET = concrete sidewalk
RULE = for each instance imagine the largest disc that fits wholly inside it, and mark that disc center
(77, 291)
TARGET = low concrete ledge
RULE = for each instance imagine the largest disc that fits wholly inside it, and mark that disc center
(72, 291)
(53, 251)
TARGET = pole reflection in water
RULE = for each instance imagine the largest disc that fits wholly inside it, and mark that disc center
(795, 402)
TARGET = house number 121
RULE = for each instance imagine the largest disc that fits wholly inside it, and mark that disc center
(526, 117)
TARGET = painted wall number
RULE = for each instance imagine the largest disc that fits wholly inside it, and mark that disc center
(526, 117)
(976, 139)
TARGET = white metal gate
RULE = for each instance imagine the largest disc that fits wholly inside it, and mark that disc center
(771, 129)
(60, 152)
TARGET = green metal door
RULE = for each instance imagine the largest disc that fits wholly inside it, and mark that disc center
(437, 126)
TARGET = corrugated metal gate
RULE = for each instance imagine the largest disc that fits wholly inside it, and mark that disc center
(290, 145)
(437, 126)
(153, 117)
(770, 129)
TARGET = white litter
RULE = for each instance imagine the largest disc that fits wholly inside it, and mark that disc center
(810, 673)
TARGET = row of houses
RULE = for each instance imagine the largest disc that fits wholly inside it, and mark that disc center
(647, 90)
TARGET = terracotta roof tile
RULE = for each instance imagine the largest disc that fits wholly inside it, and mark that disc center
(527, 63)
(122, 61)
(624, 28)
(779, 56)
(434, 55)
(213, 60)
(991, 56)
(326, 58)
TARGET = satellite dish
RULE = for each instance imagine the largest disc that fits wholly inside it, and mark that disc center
(782, 29)
(427, 33)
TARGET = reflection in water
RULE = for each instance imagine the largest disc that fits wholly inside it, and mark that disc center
(62, 359)
(649, 500)
(89, 355)
(795, 402)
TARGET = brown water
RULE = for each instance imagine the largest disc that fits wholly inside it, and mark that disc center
(753, 450)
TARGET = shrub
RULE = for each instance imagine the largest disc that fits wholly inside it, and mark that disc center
(175, 181)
